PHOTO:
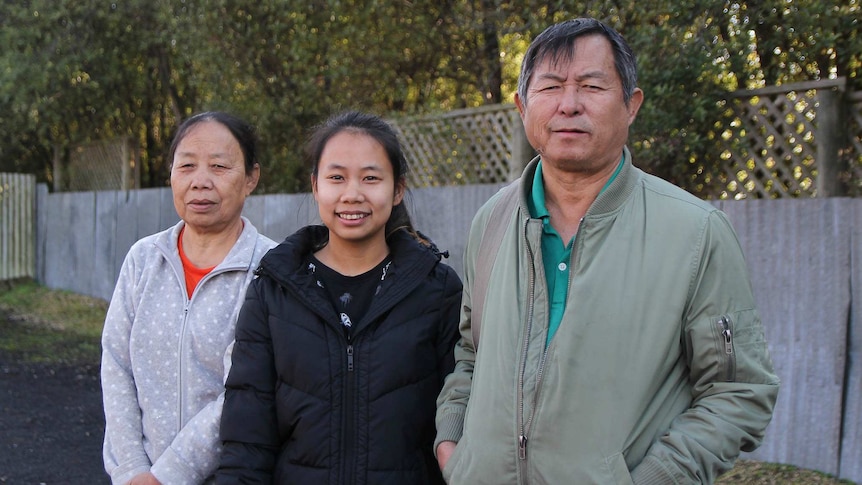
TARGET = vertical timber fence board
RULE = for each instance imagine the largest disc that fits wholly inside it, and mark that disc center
(851, 444)
(70, 241)
(798, 255)
(42, 210)
(444, 214)
(17, 226)
(104, 266)
(285, 213)
(125, 231)
(168, 216)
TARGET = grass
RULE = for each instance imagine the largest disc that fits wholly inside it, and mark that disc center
(42, 326)
(59, 327)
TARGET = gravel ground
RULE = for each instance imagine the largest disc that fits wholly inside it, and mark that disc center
(51, 425)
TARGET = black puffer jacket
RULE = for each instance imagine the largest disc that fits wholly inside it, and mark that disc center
(304, 405)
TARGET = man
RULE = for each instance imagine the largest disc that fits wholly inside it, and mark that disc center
(619, 338)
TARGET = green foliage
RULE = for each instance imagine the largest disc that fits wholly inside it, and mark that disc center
(73, 72)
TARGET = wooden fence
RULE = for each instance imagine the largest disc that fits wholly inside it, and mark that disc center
(804, 256)
(17, 226)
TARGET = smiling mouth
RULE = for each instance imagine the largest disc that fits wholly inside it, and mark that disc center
(352, 217)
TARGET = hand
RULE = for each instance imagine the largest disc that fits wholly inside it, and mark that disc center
(145, 478)
(444, 452)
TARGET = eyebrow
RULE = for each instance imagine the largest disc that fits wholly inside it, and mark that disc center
(337, 166)
(595, 74)
(193, 155)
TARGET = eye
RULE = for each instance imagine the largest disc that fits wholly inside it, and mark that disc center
(335, 176)
(371, 178)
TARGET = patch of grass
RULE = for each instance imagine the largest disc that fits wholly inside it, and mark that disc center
(39, 325)
(748, 472)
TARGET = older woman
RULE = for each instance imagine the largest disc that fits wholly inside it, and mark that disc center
(170, 324)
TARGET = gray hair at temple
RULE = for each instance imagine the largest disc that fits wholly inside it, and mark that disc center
(557, 40)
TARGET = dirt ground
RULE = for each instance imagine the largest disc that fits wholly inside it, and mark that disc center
(51, 425)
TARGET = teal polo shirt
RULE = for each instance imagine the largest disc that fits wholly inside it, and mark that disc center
(556, 256)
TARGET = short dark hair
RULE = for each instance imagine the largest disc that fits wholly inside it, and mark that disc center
(556, 42)
(377, 128)
(241, 130)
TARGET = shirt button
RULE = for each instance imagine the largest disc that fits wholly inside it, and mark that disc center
(561, 266)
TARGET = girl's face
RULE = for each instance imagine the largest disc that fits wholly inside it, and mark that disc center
(355, 189)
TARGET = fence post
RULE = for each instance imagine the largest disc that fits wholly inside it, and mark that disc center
(830, 140)
(522, 151)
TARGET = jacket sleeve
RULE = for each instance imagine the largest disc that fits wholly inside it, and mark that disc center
(734, 387)
(249, 425)
(452, 401)
(194, 450)
(123, 450)
(449, 334)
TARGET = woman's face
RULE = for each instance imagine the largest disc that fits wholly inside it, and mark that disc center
(208, 178)
(355, 189)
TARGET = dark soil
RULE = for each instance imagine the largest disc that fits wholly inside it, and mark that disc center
(51, 424)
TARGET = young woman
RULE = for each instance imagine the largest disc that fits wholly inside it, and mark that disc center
(345, 338)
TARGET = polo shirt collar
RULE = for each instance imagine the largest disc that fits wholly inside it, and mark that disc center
(536, 202)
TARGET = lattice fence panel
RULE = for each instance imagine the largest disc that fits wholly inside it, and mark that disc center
(461, 147)
(769, 146)
(100, 166)
(853, 153)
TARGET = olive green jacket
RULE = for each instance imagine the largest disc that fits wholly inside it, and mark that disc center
(659, 372)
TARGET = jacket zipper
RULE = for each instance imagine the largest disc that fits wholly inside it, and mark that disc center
(349, 425)
(525, 425)
(727, 335)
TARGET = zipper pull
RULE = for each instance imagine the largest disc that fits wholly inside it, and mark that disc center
(728, 336)
(350, 358)
(522, 447)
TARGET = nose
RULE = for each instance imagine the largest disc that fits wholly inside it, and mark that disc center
(352, 192)
(201, 179)
(570, 101)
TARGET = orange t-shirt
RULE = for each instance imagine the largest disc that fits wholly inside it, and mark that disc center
(192, 273)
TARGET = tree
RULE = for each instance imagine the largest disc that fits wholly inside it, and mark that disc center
(80, 71)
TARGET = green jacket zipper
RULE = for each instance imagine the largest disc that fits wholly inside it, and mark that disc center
(726, 331)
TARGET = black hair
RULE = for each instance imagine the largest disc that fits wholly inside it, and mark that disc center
(377, 128)
(556, 41)
(242, 131)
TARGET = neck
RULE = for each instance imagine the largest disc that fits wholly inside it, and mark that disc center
(352, 258)
(208, 249)
(569, 195)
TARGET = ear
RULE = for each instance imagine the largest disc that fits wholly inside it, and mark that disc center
(252, 179)
(400, 187)
(635, 103)
(314, 186)
(520, 104)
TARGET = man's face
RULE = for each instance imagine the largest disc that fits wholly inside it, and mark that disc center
(574, 114)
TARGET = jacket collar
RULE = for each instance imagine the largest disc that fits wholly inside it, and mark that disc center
(608, 201)
(410, 259)
(240, 256)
